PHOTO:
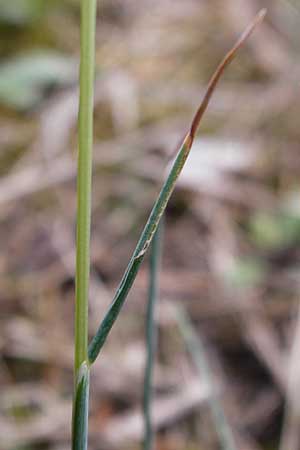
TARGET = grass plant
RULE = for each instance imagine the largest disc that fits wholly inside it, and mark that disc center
(151, 334)
(84, 182)
(194, 346)
(85, 355)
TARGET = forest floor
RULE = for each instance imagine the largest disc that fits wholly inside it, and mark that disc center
(232, 236)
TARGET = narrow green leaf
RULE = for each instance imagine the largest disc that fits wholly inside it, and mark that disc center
(161, 202)
(80, 409)
(139, 253)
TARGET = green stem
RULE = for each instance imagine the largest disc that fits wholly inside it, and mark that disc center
(87, 73)
(84, 184)
(151, 336)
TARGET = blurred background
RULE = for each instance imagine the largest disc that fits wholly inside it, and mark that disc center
(232, 238)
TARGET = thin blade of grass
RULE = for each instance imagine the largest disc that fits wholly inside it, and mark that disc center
(197, 351)
(162, 200)
(80, 409)
(151, 335)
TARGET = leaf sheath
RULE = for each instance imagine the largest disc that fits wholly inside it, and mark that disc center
(80, 409)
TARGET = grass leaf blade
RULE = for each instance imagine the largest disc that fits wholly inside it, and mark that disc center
(162, 200)
(139, 253)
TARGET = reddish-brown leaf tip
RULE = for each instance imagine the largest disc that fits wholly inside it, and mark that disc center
(220, 69)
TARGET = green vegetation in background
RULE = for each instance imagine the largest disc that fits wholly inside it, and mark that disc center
(274, 231)
(21, 12)
(32, 62)
(25, 79)
(29, 25)
(246, 272)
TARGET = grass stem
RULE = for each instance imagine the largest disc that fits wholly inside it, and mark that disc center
(84, 183)
(86, 102)
(151, 335)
